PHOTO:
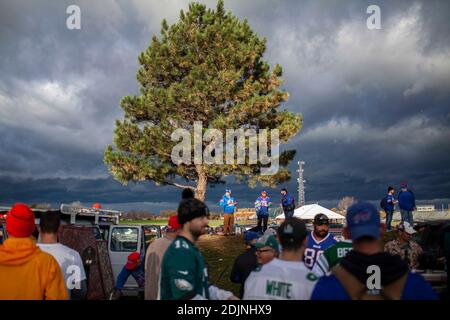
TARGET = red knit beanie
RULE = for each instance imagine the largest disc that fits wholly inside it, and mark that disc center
(20, 221)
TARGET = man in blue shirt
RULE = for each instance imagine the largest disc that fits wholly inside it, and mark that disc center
(407, 203)
(288, 203)
(366, 272)
(389, 207)
(318, 240)
(262, 205)
(228, 204)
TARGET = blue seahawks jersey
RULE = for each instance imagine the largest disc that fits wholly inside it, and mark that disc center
(315, 248)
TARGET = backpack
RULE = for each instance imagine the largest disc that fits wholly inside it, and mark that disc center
(383, 203)
(358, 291)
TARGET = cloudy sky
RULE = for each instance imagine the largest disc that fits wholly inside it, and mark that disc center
(375, 103)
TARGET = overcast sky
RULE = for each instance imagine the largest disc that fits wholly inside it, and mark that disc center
(375, 103)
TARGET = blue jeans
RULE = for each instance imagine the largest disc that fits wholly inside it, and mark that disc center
(389, 215)
(262, 222)
(407, 216)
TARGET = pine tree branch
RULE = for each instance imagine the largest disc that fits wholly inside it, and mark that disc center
(171, 183)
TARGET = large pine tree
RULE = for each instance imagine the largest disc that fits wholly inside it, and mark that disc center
(206, 67)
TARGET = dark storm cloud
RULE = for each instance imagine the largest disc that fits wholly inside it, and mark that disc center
(375, 104)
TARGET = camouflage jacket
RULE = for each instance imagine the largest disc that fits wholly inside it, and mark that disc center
(409, 251)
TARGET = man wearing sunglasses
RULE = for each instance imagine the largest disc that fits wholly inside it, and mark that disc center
(267, 249)
(318, 240)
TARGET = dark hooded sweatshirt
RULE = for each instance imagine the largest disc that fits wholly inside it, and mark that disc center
(392, 268)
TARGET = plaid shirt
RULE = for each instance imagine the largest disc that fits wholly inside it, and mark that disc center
(408, 251)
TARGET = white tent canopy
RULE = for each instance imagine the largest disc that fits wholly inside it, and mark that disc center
(307, 212)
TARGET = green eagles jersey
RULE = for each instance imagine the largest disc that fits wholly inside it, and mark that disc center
(331, 257)
(183, 272)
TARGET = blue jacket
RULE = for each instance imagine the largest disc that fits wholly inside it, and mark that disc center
(227, 204)
(286, 201)
(390, 203)
(406, 200)
(416, 288)
(262, 206)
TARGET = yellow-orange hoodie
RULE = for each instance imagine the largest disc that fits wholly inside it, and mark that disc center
(28, 273)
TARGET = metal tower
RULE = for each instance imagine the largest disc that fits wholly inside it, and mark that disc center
(301, 184)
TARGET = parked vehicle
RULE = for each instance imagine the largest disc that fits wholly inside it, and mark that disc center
(120, 239)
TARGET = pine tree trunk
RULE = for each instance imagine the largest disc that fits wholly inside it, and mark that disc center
(202, 183)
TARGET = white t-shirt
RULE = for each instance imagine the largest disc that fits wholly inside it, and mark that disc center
(280, 280)
(70, 262)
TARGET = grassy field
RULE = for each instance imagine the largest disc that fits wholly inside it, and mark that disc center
(220, 253)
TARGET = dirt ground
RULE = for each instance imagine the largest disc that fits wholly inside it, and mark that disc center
(220, 253)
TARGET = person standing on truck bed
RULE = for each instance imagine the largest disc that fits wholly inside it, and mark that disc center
(154, 256)
(228, 203)
(406, 203)
(183, 272)
(27, 272)
(287, 203)
(68, 259)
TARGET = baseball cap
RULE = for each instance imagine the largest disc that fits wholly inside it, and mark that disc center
(321, 218)
(20, 221)
(250, 235)
(406, 227)
(292, 231)
(227, 190)
(403, 185)
(363, 219)
(173, 223)
(133, 259)
(267, 240)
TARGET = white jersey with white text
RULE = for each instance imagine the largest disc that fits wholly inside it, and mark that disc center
(280, 280)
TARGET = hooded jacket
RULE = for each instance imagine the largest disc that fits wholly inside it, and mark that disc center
(227, 203)
(28, 273)
(392, 268)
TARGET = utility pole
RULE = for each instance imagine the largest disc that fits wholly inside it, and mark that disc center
(301, 184)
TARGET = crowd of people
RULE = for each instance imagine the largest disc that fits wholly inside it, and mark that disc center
(289, 263)
(262, 205)
(293, 264)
